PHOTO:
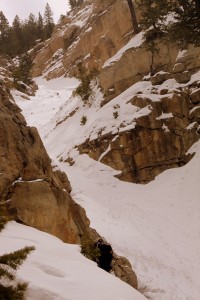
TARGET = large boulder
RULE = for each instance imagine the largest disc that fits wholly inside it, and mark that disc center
(45, 207)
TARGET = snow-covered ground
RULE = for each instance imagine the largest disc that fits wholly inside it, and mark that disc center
(156, 225)
(57, 271)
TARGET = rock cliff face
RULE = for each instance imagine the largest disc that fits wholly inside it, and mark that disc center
(159, 140)
(131, 65)
(163, 127)
(92, 33)
(34, 193)
(99, 33)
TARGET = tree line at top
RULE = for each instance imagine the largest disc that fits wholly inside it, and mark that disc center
(184, 28)
(22, 35)
(175, 21)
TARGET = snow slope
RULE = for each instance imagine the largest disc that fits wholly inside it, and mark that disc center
(157, 225)
(57, 271)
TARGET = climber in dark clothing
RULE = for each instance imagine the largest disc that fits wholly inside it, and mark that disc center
(106, 255)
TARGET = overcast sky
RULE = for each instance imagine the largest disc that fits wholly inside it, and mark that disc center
(23, 8)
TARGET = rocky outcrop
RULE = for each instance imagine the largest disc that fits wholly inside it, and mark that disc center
(99, 34)
(96, 34)
(136, 62)
(87, 34)
(36, 195)
(33, 193)
(122, 269)
(159, 140)
(187, 60)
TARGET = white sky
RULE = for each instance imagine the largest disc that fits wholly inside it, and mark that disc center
(23, 8)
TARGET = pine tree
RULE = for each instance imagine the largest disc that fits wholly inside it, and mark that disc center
(186, 28)
(61, 18)
(153, 20)
(5, 34)
(75, 3)
(153, 13)
(22, 35)
(48, 21)
(40, 27)
(18, 40)
(8, 264)
(23, 71)
(31, 30)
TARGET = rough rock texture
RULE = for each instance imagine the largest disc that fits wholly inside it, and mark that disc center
(123, 270)
(135, 63)
(64, 180)
(88, 34)
(187, 60)
(34, 191)
(35, 195)
(159, 141)
(93, 33)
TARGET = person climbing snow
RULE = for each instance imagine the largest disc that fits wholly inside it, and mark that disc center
(106, 255)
